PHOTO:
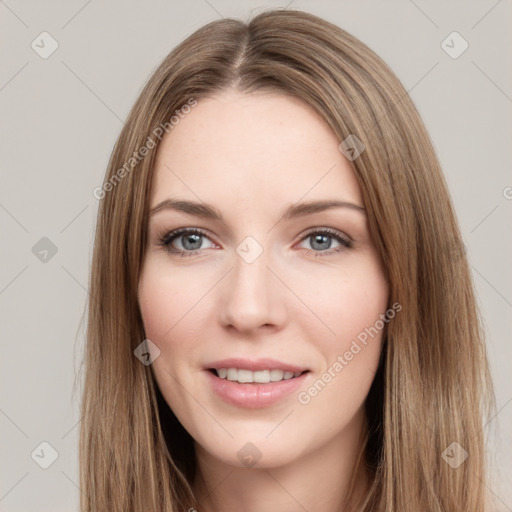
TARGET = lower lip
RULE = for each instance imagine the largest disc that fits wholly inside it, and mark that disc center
(253, 395)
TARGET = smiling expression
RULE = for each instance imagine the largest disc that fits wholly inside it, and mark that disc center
(259, 258)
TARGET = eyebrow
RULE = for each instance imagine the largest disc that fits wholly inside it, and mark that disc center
(295, 210)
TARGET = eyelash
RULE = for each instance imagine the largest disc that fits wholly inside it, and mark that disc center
(166, 240)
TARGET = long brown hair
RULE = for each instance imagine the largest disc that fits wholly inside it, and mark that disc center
(432, 387)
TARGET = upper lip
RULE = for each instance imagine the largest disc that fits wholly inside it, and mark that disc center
(254, 365)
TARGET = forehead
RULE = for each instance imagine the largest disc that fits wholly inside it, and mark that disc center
(256, 150)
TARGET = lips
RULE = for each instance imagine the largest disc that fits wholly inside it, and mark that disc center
(241, 391)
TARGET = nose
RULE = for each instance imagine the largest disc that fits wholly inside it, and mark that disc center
(252, 297)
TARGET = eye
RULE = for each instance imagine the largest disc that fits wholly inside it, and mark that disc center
(189, 241)
(321, 242)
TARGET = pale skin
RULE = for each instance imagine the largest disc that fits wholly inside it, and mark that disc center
(251, 156)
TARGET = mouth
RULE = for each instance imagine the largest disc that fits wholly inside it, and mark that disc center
(255, 388)
(244, 376)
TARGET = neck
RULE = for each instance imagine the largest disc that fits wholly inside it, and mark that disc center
(320, 479)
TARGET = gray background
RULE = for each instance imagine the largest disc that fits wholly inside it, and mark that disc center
(61, 116)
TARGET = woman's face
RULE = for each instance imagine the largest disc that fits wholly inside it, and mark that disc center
(269, 283)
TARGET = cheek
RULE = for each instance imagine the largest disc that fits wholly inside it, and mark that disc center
(346, 330)
(153, 303)
(351, 303)
(166, 298)
(344, 301)
(175, 310)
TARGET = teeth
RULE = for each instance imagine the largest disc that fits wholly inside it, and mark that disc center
(260, 376)
(276, 375)
(245, 376)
